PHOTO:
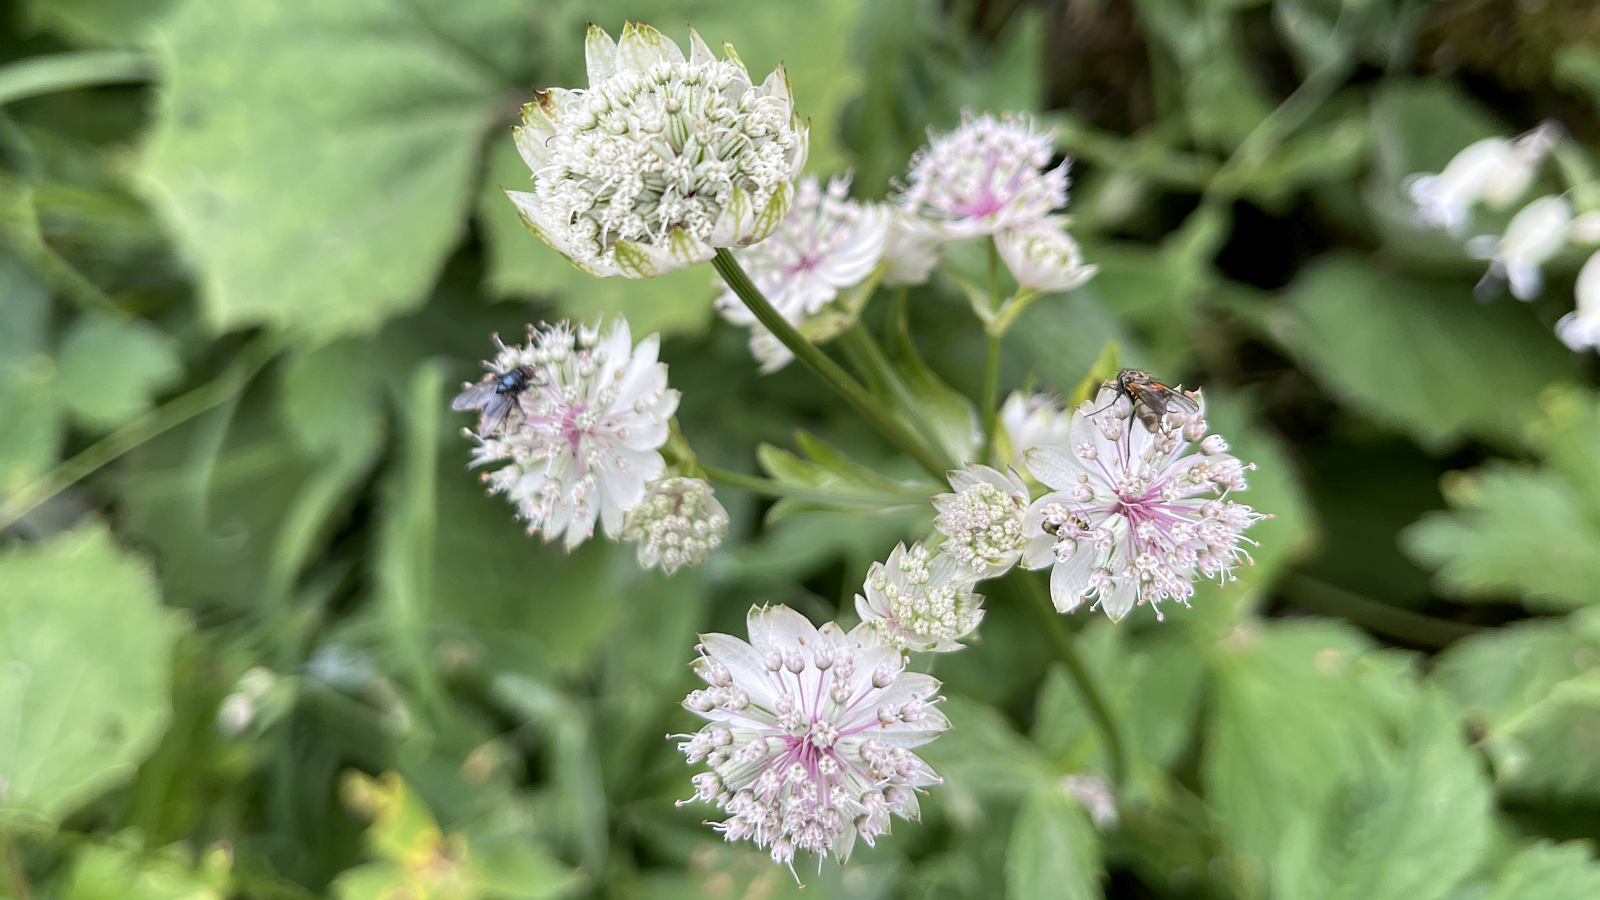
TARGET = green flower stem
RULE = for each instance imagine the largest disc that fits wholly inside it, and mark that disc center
(1067, 650)
(861, 343)
(158, 421)
(16, 875)
(991, 366)
(35, 75)
(991, 388)
(817, 361)
(768, 487)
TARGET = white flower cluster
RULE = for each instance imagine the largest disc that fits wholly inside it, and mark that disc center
(663, 159)
(678, 523)
(1497, 172)
(990, 177)
(919, 601)
(982, 521)
(809, 734)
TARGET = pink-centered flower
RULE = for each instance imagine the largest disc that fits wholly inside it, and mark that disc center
(1135, 516)
(986, 176)
(825, 244)
(809, 734)
(584, 439)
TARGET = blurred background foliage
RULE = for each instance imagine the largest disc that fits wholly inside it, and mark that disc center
(248, 247)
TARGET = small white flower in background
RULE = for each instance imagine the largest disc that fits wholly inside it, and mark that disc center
(1580, 329)
(238, 710)
(1043, 257)
(1585, 229)
(919, 601)
(1510, 180)
(985, 177)
(983, 520)
(825, 244)
(1095, 795)
(662, 159)
(1537, 232)
(586, 440)
(1445, 200)
(810, 734)
(678, 523)
(1030, 420)
(912, 250)
(1135, 516)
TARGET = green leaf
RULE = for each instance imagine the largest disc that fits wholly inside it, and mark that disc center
(330, 398)
(1514, 531)
(1289, 727)
(828, 479)
(1152, 683)
(120, 871)
(110, 369)
(581, 797)
(1053, 851)
(1520, 530)
(113, 22)
(522, 266)
(316, 160)
(1549, 871)
(1408, 827)
(1419, 356)
(1578, 65)
(30, 416)
(85, 650)
(405, 832)
(1531, 691)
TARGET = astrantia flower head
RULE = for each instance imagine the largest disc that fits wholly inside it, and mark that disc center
(983, 520)
(826, 243)
(1135, 516)
(662, 159)
(1043, 257)
(586, 436)
(986, 176)
(678, 523)
(1580, 329)
(810, 734)
(920, 601)
(1537, 232)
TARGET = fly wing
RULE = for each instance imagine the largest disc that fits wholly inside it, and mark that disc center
(1177, 401)
(474, 397)
(494, 412)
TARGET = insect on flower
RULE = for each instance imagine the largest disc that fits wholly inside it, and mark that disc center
(1150, 398)
(495, 394)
